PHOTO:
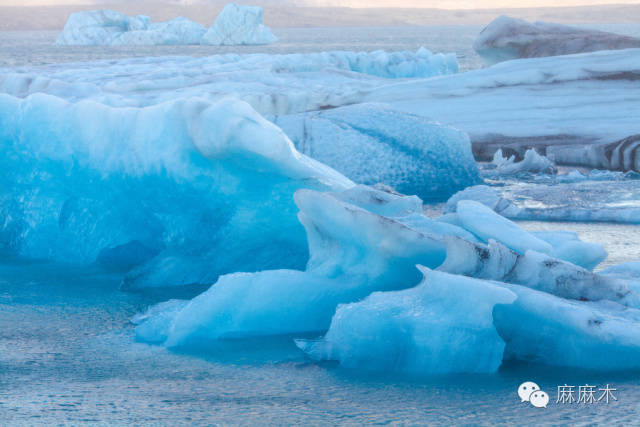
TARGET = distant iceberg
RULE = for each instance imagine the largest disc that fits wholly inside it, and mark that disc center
(508, 38)
(107, 28)
(239, 25)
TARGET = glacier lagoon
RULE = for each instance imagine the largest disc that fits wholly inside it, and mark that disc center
(255, 379)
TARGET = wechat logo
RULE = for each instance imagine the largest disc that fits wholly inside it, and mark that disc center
(530, 392)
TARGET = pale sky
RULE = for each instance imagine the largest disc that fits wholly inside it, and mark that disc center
(442, 4)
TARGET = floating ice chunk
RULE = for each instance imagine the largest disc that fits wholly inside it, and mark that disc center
(484, 194)
(567, 246)
(510, 38)
(532, 162)
(444, 325)
(200, 184)
(253, 304)
(239, 25)
(372, 143)
(486, 224)
(541, 328)
(107, 27)
(534, 270)
(153, 325)
(616, 200)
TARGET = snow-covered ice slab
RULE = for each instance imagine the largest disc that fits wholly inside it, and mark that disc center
(107, 28)
(185, 190)
(372, 143)
(271, 84)
(239, 25)
(578, 108)
(508, 38)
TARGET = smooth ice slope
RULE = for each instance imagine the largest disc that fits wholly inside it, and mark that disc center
(444, 325)
(508, 38)
(107, 27)
(373, 143)
(239, 25)
(186, 189)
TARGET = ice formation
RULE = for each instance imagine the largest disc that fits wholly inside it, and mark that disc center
(508, 38)
(486, 224)
(239, 25)
(444, 325)
(478, 209)
(454, 324)
(353, 252)
(360, 287)
(372, 143)
(591, 96)
(587, 199)
(532, 162)
(187, 189)
(107, 28)
(271, 84)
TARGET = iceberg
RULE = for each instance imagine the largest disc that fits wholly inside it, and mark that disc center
(239, 25)
(353, 252)
(108, 28)
(272, 84)
(452, 324)
(590, 94)
(186, 190)
(442, 326)
(373, 143)
(508, 38)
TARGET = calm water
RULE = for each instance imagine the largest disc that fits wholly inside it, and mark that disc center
(68, 354)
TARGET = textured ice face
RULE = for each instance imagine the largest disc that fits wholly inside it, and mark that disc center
(508, 38)
(239, 25)
(444, 325)
(271, 84)
(373, 143)
(107, 28)
(187, 189)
